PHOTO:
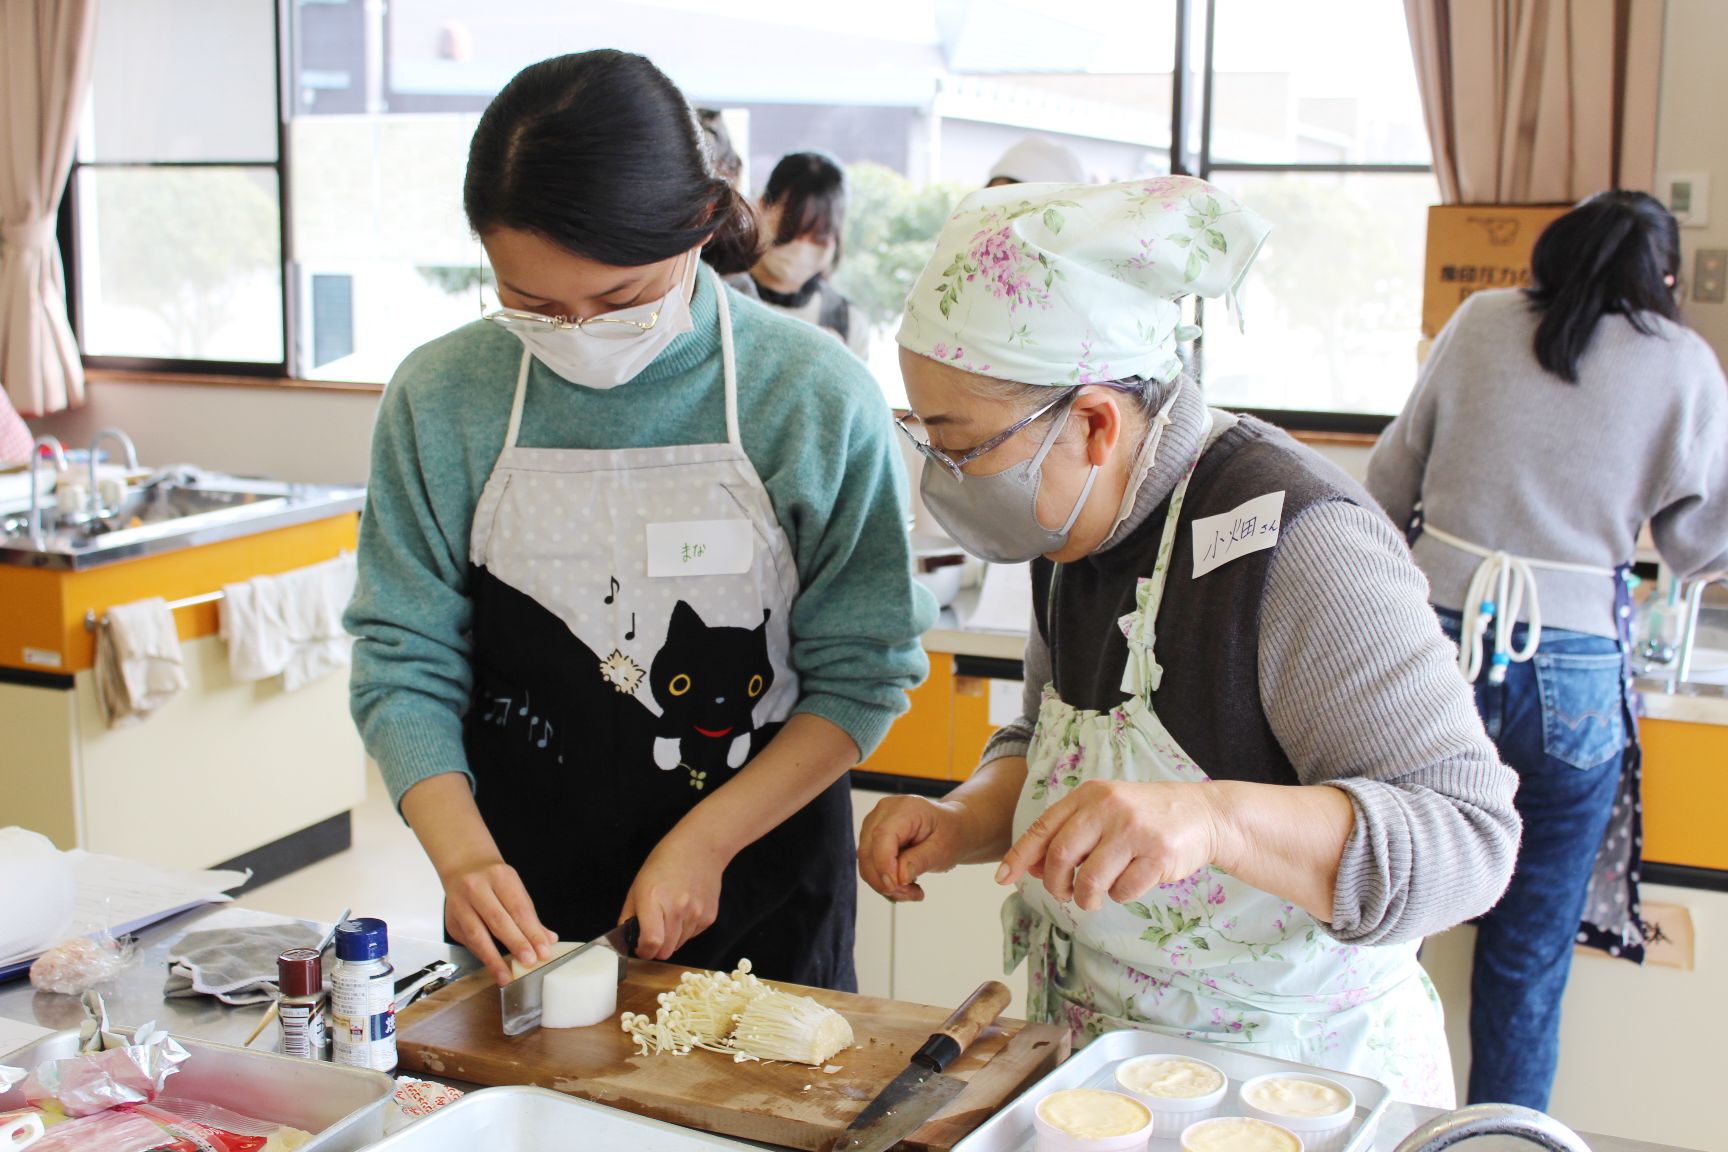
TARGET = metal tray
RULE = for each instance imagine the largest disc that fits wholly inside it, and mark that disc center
(342, 1107)
(1094, 1066)
(526, 1119)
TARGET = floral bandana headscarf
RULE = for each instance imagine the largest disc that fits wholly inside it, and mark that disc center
(1061, 284)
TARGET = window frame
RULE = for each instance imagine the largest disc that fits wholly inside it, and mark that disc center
(1191, 87)
(1319, 420)
(68, 234)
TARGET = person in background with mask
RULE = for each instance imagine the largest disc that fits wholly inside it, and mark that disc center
(1037, 160)
(728, 165)
(1546, 428)
(635, 591)
(1248, 779)
(803, 216)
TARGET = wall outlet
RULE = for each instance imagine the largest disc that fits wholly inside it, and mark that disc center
(1709, 275)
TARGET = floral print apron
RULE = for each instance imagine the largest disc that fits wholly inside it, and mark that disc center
(1207, 958)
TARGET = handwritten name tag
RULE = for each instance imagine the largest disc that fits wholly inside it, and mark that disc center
(1252, 527)
(701, 548)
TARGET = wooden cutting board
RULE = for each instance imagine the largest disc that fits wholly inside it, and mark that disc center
(457, 1033)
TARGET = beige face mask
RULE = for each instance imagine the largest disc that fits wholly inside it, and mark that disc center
(794, 262)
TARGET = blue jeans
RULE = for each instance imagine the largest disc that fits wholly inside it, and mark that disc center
(1559, 723)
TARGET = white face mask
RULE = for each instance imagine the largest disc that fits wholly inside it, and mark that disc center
(794, 263)
(614, 350)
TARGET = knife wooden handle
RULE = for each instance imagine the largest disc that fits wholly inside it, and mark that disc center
(959, 1030)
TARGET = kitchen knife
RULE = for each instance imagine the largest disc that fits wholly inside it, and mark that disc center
(521, 999)
(921, 1090)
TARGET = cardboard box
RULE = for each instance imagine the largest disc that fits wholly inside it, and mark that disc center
(1477, 246)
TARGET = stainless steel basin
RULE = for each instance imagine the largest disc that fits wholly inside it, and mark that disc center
(170, 514)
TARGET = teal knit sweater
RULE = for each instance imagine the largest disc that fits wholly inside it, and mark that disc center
(814, 425)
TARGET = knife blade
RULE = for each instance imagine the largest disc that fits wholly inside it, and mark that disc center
(521, 1000)
(921, 1091)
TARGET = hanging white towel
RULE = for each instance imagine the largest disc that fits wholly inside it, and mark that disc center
(289, 625)
(139, 667)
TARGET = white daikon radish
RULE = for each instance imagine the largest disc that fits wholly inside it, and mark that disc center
(581, 991)
(519, 969)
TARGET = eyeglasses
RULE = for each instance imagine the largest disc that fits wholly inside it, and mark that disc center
(605, 327)
(917, 432)
(602, 327)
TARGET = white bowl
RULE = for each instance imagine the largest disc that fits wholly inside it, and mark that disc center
(1320, 1132)
(1051, 1138)
(1172, 1113)
(1263, 1135)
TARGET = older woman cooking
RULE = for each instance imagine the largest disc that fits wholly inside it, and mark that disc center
(1249, 778)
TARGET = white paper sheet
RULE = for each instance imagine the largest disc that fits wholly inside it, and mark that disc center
(15, 1034)
(1007, 701)
(1004, 600)
(125, 895)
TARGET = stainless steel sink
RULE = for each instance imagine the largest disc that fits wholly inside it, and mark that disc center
(170, 514)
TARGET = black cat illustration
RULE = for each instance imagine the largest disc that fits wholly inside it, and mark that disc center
(541, 694)
(707, 681)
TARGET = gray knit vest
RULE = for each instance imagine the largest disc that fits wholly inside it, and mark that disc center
(1208, 629)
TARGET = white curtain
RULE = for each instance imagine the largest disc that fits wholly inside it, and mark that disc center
(1538, 101)
(45, 53)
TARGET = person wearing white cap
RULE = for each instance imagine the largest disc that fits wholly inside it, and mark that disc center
(1037, 160)
(1248, 778)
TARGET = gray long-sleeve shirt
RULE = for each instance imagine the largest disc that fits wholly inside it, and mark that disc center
(1362, 692)
(1507, 456)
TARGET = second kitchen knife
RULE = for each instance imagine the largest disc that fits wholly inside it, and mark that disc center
(921, 1090)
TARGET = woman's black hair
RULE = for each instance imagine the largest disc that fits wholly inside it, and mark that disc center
(809, 188)
(1617, 252)
(598, 153)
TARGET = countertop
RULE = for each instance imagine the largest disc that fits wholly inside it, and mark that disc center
(135, 997)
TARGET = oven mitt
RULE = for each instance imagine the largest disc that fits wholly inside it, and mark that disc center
(235, 965)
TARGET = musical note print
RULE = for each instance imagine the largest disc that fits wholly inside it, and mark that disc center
(616, 588)
(631, 635)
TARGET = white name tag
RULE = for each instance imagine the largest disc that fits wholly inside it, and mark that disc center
(1252, 527)
(701, 548)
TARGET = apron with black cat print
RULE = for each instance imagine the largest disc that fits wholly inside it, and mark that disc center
(632, 612)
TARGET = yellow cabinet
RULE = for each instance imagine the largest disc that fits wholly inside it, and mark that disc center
(1685, 793)
(944, 732)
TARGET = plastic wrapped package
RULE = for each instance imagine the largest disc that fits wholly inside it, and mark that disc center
(189, 1127)
(75, 966)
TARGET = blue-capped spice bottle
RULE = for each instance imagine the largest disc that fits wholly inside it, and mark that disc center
(363, 996)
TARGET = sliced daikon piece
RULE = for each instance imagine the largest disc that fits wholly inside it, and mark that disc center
(518, 969)
(581, 991)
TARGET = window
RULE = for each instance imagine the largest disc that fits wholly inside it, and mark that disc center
(175, 195)
(917, 98)
(1317, 125)
(1314, 123)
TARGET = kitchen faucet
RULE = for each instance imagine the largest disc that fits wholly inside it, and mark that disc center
(1450, 1128)
(96, 509)
(56, 454)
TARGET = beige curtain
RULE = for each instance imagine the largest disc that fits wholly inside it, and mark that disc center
(45, 52)
(1538, 101)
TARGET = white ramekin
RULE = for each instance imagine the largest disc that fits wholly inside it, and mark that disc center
(1053, 1139)
(1319, 1133)
(1294, 1141)
(1171, 1114)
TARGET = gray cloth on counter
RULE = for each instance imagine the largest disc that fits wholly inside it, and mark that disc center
(1504, 455)
(1362, 692)
(235, 965)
